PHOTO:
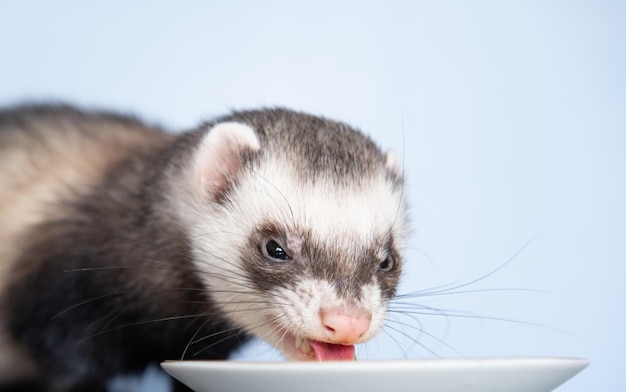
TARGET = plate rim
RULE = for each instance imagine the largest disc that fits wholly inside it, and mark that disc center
(397, 364)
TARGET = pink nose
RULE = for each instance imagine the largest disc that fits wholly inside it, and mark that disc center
(344, 328)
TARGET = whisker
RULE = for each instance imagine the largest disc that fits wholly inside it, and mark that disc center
(418, 294)
(393, 339)
(423, 332)
(215, 343)
(228, 276)
(479, 317)
(191, 340)
(86, 302)
(133, 324)
(483, 277)
(413, 340)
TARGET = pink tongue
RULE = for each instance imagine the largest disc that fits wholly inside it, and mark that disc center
(332, 352)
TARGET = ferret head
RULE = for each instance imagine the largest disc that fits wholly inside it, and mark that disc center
(297, 225)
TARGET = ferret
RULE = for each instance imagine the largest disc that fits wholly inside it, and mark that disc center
(123, 245)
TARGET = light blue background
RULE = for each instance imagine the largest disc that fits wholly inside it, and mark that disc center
(511, 116)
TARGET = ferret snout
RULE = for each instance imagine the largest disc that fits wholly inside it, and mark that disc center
(343, 327)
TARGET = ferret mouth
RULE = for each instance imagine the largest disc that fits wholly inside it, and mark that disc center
(305, 349)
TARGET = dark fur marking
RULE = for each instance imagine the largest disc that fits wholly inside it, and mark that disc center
(330, 151)
(83, 289)
(74, 261)
(347, 271)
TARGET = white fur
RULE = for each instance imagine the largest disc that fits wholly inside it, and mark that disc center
(318, 295)
(345, 218)
(393, 162)
(339, 215)
(236, 135)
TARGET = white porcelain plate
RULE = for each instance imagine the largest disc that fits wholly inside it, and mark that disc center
(467, 375)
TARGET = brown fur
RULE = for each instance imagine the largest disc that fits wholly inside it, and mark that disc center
(100, 271)
(50, 157)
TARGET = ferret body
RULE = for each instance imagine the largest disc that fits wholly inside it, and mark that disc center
(122, 245)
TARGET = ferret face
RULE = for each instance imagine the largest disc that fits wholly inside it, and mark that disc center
(307, 258)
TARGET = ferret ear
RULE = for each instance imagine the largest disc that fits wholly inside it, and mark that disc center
(221, 157)
(395, 169)
(393, 163)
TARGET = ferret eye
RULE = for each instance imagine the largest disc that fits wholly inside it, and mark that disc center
(386, 265)
(275, 251)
